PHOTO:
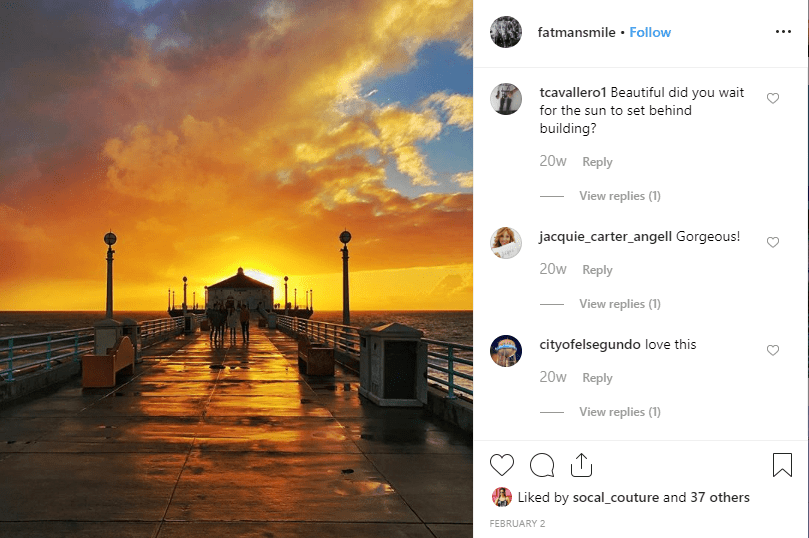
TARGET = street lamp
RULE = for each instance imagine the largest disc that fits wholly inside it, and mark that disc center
(345, 237)
(110, 240)
(286, 301)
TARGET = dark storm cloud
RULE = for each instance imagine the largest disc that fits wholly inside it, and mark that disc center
(201, 33)
(50, 49)
(53, 46)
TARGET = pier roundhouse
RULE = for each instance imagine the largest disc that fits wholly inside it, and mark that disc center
(240, 289)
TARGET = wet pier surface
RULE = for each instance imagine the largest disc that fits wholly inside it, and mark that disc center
(229, 441)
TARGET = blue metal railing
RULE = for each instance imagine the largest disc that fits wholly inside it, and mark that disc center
(27, 353)
(449, 364)
(158, 328)
(342, 338)
(452, 361)
(30, 352)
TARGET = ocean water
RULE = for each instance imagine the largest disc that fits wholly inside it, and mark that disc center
(448, 326)
(17, 323)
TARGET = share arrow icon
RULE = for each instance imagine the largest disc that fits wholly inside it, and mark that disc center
(580, 471)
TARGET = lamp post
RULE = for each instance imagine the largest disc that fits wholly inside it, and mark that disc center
(109, 239)
(345, 237)
(185, 295)
(107, 331)
(194, 300)
(311, 301)
(286, 301)
(296, 298)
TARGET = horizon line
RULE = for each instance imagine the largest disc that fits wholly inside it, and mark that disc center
(166, 311)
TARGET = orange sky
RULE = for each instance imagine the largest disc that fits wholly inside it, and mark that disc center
(208, 142)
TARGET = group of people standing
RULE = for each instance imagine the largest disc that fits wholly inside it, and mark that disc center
(220, 316)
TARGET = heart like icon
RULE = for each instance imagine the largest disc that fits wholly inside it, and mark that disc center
(502, 464)
(772, 241)
(772, 350)
(772, 97)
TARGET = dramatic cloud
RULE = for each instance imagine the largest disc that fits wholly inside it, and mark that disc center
(211, 134)
(457, 107)
(464, 179)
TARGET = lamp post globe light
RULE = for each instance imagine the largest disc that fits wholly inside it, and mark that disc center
(345, 237)
(107, 331)
(110, 240)
(286, 301)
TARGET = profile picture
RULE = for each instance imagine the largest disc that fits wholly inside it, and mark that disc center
(501, 497)
(505, 32)
(506, 351)
(506, 243)
(506, 99)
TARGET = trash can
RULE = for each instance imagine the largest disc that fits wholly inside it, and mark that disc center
(107, 332)
(393, 365)
(131, 329)
(272, 320)
(190, 325)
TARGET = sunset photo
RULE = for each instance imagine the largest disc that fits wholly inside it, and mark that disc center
(237, 268)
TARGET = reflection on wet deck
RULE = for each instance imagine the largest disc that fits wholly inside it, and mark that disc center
(207, 441)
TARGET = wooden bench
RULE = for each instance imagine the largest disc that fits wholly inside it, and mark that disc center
(314, 358)
(101, 370)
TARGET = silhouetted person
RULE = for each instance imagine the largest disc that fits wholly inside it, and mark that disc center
(244, 317)
(233, 321)
(210, 313)
(223, 319)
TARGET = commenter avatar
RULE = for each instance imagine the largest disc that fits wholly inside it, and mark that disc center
(505, 32)
(506, 99)
(505, 351)
(506, 243)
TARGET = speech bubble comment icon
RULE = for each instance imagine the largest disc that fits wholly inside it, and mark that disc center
(542, 465)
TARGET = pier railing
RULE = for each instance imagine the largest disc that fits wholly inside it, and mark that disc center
(157, 329)
(343, 338)
(449, 364)
(27, 353)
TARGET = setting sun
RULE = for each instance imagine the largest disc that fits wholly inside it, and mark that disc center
(215, 137)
